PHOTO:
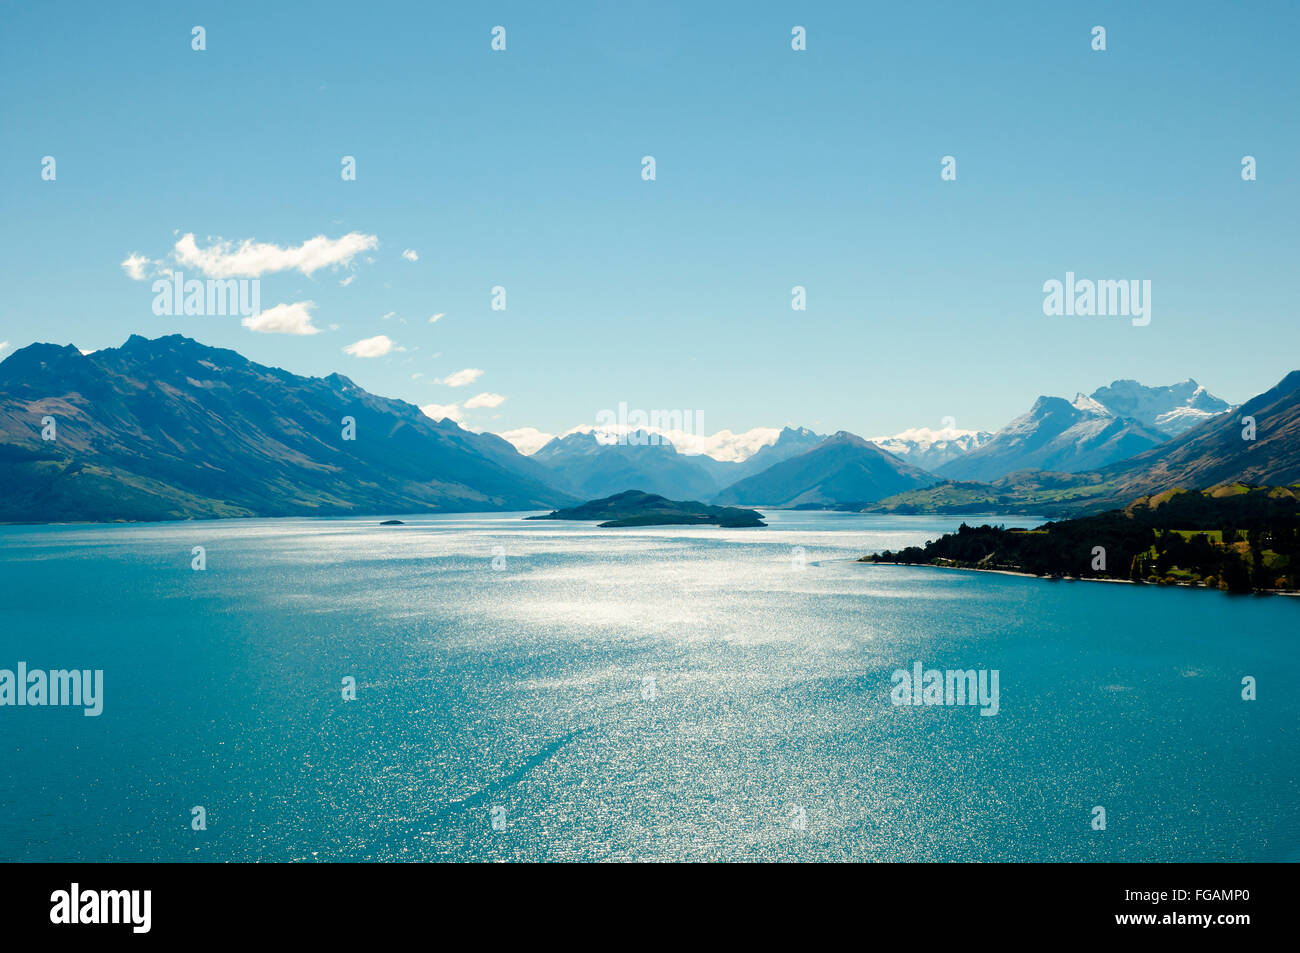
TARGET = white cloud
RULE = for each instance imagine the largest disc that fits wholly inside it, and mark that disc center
(4, 346)
(468, 376)
(439, 411)
(390, 314)
(484, 400)
(926, 436)
(434, 319)
(377, 346)
(348, 280)
(250, 259)
(527, 440)
(411, 255)
(83, 350)
(137, 266)
(283, 319)
(724, 445)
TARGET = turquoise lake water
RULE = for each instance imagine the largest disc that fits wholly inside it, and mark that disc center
(652, 694)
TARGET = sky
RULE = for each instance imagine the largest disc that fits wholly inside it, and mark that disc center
(774, 168)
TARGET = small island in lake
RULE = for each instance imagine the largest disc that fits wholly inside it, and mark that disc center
(1235, 537)
(392, 523)
(637, 508)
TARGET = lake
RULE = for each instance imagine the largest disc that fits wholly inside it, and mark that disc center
(554, 691)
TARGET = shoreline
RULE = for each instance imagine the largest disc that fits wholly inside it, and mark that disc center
(1125, 582)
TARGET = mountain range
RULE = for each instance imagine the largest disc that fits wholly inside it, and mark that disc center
(589, 467)
(171, 429)
(1114, 423)
(596, 464)
(1054, 435)
(1258, 444)
(931, 449)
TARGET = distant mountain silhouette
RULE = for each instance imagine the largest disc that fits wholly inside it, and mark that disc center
(594, 466)
(172, 429)
(582, 464)
(841, 469)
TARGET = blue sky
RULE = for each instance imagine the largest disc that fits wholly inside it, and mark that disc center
(775, 168)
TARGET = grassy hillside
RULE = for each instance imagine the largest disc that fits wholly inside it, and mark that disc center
(1027, 491)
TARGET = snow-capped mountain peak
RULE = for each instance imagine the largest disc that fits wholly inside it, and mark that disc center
(725, 446)
(1172, 409)
(1090, 406)
(928, 448)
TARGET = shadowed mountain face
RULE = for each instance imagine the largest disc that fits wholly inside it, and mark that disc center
(843, 468)
(172, 429)
(1055, 435)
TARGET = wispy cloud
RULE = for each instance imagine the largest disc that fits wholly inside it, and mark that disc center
(461, 378)
(283, 319)
(411, 255)
(250, 259)
(138, 267)
(348, 280)
(484, 400)
(377, 346)
(723, 445)
(436, 317)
